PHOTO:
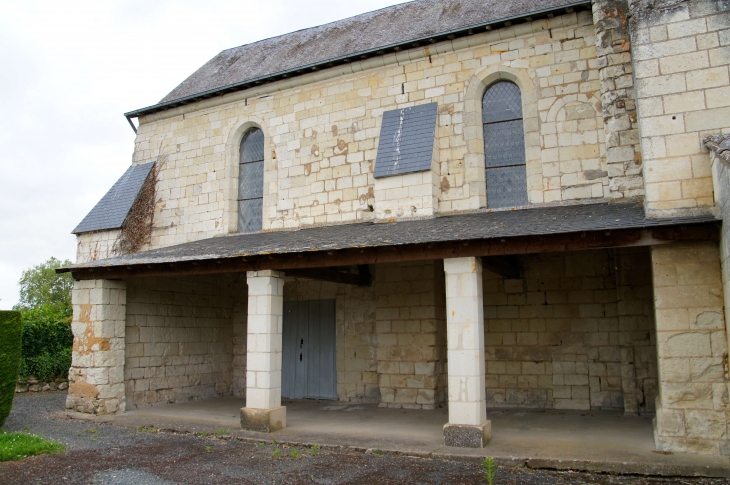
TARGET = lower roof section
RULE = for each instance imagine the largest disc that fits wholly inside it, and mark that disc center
(484, 233)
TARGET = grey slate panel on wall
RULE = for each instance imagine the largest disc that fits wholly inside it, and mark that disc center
(406, 140)
(111, 211)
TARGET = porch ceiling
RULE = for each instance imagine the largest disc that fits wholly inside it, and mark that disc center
(483, 233)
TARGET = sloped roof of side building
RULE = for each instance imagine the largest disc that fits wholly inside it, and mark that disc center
(362, 35)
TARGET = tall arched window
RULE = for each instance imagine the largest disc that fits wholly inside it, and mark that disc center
(251, 181)
(504, 145)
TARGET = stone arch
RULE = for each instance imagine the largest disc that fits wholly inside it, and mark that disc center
(591, 102)
(474, 137)
(232, 149)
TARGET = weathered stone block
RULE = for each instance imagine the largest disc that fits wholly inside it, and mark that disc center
(463, 436)
(263, 420)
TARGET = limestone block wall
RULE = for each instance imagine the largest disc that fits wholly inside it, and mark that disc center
(637, 335)
(692, 406)
(96, 376)
(322, 130)
(721, 181)
(96, 245)
(618, 98)
(410, 328)
(571, 334)
(180, 338)
(408, 196)
(240, 335)
(681, 56)
(356, 340)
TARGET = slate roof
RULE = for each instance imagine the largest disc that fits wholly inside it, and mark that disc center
(464, 227)
(111, 211)
(406, 140)
(362, 35)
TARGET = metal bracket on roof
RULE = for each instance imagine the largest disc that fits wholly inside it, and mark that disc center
(129, 119)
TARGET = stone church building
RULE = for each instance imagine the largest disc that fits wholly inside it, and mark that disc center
(460, 204)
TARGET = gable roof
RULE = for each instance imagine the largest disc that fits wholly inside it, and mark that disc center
(111, 211)
(364, 35)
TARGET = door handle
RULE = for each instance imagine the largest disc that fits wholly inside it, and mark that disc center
(300, 357)
(301, 344)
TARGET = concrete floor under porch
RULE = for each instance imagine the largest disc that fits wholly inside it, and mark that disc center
(603, 441)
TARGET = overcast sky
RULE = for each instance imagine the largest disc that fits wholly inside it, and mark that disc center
(70, 69)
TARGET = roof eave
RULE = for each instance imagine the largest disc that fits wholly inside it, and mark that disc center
(355, 56)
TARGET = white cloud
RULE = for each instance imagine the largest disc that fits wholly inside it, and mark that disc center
(70, 71)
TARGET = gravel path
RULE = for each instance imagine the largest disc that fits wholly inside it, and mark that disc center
(104, 454)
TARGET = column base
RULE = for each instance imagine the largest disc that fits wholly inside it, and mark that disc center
(468, 436)
(263, 420)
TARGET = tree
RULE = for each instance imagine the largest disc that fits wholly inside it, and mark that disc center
(41, 286)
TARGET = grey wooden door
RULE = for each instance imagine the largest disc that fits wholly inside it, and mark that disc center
(308, 357)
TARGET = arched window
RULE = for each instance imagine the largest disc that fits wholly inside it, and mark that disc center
(504, 145)
(251, 181)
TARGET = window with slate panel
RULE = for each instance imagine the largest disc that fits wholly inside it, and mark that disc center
(504, 145)
(251, 181)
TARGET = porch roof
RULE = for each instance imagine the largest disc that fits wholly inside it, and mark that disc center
(482, 233)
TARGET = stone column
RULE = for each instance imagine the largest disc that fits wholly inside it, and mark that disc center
(263, 411)
(96, 377)
(468, 426)
(692, 405)
(618, 99)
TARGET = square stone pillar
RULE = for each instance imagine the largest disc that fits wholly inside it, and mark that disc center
(692, 405)
(468, 425)
(96, 376)
(263, 411)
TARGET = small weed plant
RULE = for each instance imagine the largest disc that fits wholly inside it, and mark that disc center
(208, 450)
(16, 446)
(147, 429)
(314, 450)
(295, 454)
(262, 445)
(378, 451)
(490, 470)
(277, 453)
(222, 432)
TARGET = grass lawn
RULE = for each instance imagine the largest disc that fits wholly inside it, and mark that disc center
(16, 446)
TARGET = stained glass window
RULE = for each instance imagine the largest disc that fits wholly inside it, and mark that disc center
(251, 181)
(504, 146)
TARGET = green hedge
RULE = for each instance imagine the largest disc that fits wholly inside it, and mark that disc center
(11, 332)
(47, 342)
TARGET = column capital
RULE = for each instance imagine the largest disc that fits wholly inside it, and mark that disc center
(265, 273)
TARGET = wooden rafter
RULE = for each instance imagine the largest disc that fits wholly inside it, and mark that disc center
(507, 266)
(362, 278)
